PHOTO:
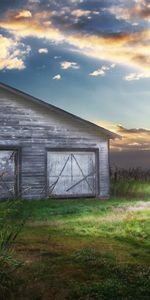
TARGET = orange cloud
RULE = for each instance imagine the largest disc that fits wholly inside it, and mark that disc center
(140, 9)
(84, 13)
(23, 14)
(131, 49)
(81, 13)
(128, 49)
(33, 27)
(132, 139)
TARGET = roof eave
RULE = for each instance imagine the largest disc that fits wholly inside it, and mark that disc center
(109, 134)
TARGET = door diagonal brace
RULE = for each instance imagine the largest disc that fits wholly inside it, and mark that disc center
(84, 177)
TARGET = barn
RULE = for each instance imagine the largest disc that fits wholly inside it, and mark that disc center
(47, 152)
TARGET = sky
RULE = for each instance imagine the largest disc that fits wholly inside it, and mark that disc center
(89, 57)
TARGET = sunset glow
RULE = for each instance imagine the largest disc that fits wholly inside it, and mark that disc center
(91, 58)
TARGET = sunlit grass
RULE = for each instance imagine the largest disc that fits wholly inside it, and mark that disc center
(84, 249)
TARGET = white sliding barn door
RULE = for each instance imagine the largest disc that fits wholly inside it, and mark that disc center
(71, 173)
(8, 176)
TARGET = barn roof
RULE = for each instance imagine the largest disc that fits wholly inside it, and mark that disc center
(60, 111)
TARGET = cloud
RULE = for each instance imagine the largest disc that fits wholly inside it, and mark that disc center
(135, 11)
(12, 54)
(38, 27)
(80, 13)
(125, 48)
(120, 12)
(57, 77)
(33, 1)
(57, 57)
(141, 10)
(102, 71)
(43, 50)
(132, 138)
(23, 14)
(112, 65)
(98, 72)
(124, 130)
(69, 65)
(130, 49)
(137, 76)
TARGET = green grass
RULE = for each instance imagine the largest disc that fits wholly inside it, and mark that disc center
(130, 188)
(84, 249)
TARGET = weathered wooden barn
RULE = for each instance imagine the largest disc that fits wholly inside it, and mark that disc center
(48, 152)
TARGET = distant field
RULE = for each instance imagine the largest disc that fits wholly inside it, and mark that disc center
(82, 249)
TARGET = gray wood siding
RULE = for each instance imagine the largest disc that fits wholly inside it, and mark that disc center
(34, 129)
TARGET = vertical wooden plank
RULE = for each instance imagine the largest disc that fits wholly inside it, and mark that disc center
(104, 170)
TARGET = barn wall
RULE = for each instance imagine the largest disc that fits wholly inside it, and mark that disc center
(104, 169)
(33, 128)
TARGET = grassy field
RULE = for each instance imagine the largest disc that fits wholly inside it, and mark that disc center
(82, 249)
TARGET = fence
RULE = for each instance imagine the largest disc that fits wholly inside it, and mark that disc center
(136, 174)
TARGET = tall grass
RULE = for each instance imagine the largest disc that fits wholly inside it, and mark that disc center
(133, 182)
(11, 223)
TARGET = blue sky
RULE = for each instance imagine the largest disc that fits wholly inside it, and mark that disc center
(89, 57)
